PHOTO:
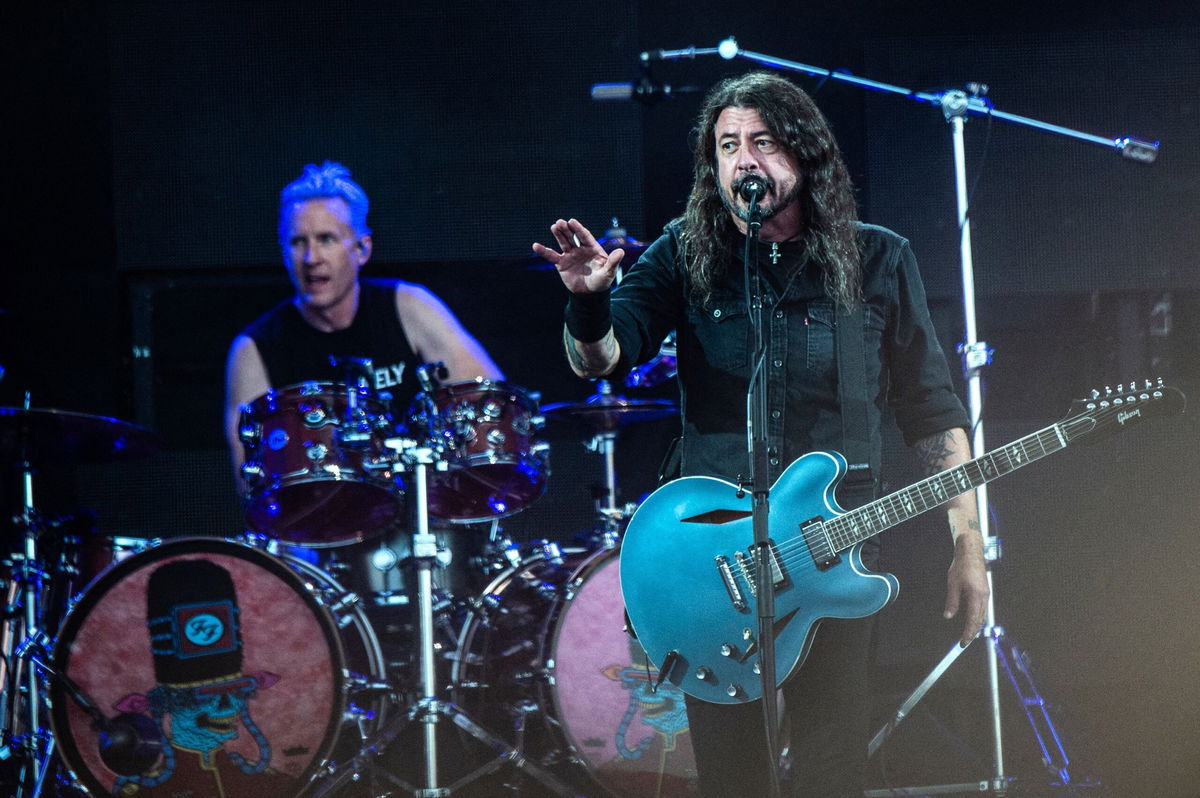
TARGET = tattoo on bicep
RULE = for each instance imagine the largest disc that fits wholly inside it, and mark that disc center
(933, 450)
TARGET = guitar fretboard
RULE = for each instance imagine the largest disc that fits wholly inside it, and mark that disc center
(871, 519)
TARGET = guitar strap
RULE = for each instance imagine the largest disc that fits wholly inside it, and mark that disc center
(858, 486)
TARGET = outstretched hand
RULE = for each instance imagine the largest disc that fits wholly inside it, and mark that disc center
(583, 265)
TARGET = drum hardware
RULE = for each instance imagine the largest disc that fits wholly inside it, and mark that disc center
(606, 414)
(316, 468)
(127, 744)
(35, 438)
(428, 709)
(656, 370)
(485, 430)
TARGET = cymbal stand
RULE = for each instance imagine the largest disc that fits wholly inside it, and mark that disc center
(429, 710)
(604, 443)
(18, 676)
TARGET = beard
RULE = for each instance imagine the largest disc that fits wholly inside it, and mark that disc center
(766, 209)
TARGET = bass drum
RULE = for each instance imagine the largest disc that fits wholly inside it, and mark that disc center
(212, 669)
(548, 654)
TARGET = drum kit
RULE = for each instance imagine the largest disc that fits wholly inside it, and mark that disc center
(319, 652)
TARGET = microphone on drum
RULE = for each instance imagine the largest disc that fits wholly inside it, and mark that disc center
(433, 418)
(355, 429)
(440, 372)
(128, 744)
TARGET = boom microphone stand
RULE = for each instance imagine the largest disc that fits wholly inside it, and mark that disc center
(956, 105)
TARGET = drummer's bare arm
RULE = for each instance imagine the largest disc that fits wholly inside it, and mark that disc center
(586, 270)
(437, 336)
(245, 380)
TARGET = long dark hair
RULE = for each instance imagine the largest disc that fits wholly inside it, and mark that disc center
(828, 210)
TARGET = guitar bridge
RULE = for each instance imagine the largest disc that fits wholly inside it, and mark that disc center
(749, 571)
(736, 597)
(820, 547)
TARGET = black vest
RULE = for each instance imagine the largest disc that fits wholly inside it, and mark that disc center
(293, 351)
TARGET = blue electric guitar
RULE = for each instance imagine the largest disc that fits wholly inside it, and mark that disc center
(688, 577)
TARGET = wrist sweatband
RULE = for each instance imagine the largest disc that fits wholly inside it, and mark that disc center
(588, 316)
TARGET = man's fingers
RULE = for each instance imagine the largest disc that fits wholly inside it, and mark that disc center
(546, 253)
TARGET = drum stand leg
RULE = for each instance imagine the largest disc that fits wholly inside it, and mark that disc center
(22, 689)
(429, 710)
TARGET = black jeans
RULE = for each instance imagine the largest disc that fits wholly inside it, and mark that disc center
(826, 712)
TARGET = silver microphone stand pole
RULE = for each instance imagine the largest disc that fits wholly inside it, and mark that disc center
(956, 106)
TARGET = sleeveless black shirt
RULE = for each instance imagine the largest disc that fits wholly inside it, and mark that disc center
(293, 351)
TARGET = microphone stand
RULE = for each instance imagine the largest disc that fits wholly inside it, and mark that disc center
(956, 105)
(756, 433)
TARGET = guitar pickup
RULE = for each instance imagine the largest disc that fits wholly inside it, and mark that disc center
(746, 565)
(820, 547)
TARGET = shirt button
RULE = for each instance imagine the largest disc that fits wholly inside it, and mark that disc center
(778, 364)
(774, 461)
(779, 314)
(717, 313)
(776, 414)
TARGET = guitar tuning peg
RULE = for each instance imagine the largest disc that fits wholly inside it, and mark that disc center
(1095, 394)
(1108, 391)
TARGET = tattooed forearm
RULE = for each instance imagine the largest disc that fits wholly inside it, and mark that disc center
(591, 359)
(934, 451)
(972, 525)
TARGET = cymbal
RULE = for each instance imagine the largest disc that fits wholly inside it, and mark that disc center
(42, 436)
(606, 411)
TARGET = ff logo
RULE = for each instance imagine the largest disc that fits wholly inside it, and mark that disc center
(203, 630)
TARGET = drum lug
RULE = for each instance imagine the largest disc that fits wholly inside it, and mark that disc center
(253, 473)
(314, 414)
(250, 432)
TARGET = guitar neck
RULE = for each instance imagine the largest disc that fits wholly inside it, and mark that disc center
(857, 525)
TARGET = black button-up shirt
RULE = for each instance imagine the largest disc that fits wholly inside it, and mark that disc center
(905, 365)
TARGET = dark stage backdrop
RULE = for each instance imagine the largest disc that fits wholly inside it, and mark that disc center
(469, 124)
(1048, 213)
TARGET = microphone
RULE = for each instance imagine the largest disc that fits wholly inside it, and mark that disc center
(752, 188)
(645, 90)
(427, 372)
(129, 744)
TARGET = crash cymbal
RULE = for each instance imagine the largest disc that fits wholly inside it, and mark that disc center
(44, 436)
(606, 411)
(616, 238)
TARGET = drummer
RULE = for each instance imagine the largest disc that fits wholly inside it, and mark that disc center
(335, 312)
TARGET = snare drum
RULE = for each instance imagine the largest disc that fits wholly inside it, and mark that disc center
(238, 669)
(549, 646)
(485, 428)
(317, 473)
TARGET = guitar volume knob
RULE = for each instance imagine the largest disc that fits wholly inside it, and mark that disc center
(733, 690)
(704, 674)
